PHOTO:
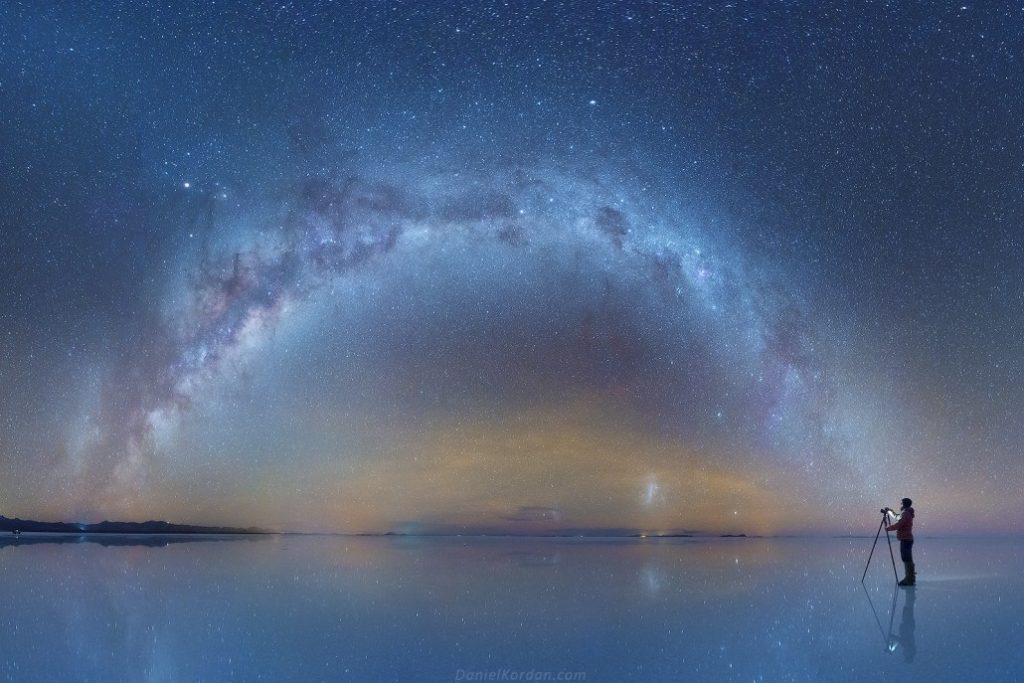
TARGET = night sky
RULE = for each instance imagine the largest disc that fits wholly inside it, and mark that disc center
(512, 266)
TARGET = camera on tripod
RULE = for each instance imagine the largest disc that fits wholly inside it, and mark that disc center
(885, 510)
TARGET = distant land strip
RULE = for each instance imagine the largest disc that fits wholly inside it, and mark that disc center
(150, 527)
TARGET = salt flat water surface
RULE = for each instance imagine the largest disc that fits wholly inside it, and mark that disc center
(334, 608)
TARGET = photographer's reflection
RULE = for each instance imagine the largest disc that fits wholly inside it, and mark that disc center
(905, 640)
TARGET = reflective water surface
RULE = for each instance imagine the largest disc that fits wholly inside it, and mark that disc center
(450, 609)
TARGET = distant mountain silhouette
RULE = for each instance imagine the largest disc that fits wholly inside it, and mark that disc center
(124, 540)
(105, 527)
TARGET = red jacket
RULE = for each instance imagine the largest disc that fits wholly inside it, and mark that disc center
(904, 526)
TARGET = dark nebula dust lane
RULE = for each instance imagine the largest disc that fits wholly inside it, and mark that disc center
(519, 268)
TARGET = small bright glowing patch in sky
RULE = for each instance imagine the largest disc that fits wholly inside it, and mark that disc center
(651, 492)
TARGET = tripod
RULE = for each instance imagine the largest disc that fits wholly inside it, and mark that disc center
(885, 516)
(886, 639)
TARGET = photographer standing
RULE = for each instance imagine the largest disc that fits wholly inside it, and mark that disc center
(903, 525)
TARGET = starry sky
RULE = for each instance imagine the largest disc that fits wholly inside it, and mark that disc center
(516, 267)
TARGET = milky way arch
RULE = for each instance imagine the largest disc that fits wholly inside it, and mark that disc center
(336, 224)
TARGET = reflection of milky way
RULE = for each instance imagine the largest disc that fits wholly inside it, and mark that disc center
(735, 341)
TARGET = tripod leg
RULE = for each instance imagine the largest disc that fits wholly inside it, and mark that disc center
(871, 604)
(873, 550)
(892, 608)
(891, 556)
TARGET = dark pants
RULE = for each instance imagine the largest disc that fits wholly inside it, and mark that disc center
(905, 547)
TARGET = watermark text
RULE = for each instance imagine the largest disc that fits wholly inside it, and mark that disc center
(519, 675)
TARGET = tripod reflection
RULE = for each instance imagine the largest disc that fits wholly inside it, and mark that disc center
(904, 639)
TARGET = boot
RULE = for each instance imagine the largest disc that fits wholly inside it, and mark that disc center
(911, 576)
